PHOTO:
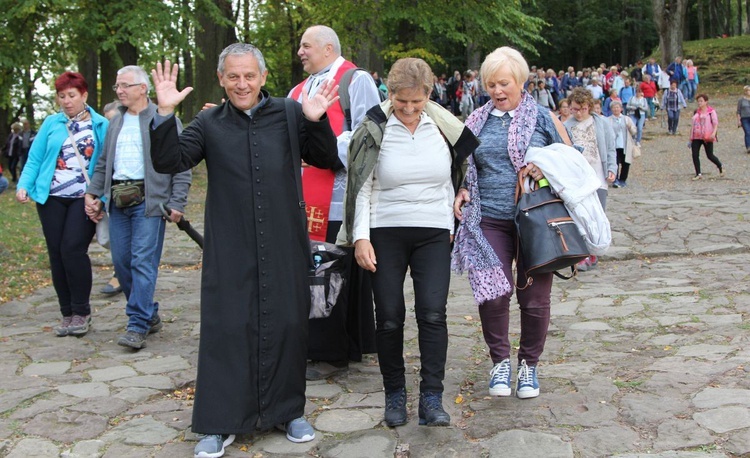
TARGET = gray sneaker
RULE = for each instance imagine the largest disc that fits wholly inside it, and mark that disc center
(79, 325)
(62, 330)
(212, 446)
(298, 430)
(135, 340)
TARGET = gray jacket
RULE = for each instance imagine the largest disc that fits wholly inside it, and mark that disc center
(171, 190)
(605, 140)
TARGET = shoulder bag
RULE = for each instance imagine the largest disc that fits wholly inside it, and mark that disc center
(102, 227)
(549, 239)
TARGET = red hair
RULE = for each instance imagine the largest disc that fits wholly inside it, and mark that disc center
(71, 80)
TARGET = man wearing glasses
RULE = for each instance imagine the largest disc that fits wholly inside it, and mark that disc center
(133, 191)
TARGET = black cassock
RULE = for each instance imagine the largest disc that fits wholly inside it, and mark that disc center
(254, 293)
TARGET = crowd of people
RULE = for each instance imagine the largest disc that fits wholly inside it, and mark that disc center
(346, 170)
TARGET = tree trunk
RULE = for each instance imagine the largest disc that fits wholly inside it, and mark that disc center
(293, 39)
(727, 13)
(211, 40)
(669, 21)
(747, 15)
(109, 65)
(739, 17)
(625, 38)
(128, 53)
(187, 74)
(29, 96)
(88, 66)
(701, 21)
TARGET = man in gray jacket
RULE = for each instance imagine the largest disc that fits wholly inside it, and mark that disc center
(132, 190)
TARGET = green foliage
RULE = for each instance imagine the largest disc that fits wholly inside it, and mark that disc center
(23, 254)
(397, 51)
(721, 62)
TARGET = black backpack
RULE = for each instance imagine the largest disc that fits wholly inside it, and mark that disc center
(344, 83)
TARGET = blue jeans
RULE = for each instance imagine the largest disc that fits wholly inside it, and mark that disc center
(685, 89)
(639, 125)
(136, 242)
(651, 106)
(3, 184)
(692, 86)
(673, 119)
(746, 127)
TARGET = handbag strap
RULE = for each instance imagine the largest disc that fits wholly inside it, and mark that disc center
(78, 155)
(562, 131)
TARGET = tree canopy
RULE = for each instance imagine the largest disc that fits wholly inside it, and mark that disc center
(42, 38)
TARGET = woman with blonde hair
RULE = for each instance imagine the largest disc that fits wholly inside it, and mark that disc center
(625, 131)
(486, 241)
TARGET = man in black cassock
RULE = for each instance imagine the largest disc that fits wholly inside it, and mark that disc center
(254, 293)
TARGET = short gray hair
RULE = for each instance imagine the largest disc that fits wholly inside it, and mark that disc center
(241, 49)
(325, 35)
(141, 77)
(615, 103)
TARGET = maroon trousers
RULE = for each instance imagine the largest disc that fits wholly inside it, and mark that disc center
(534, 301)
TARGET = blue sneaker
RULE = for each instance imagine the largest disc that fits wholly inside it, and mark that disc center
(500, 379)
(299, 430)
(212, 446)
(527, 386)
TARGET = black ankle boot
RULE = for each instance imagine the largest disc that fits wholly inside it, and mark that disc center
(395, 407)
(431, 411)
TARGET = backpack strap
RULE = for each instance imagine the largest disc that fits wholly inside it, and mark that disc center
(344, 99)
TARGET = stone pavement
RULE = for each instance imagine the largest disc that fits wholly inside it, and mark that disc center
(647, 355)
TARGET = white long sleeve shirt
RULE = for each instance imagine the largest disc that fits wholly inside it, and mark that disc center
(411, 184)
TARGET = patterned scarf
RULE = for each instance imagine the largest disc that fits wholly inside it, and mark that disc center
(471, 251)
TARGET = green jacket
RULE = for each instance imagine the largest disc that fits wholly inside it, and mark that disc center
(364, 149)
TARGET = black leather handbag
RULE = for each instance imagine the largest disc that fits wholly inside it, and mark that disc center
(549, 238)
(327, 278)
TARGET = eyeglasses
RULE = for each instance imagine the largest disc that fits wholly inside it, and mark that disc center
(124, 86)
(582, 108)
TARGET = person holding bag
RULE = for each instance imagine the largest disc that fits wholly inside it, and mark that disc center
(703, 133)
(486, 240)
(62, 156)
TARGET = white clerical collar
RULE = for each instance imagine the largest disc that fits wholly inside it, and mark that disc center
(501, 113)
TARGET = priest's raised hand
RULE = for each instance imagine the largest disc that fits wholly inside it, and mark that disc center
(165, 85)
(315, 107)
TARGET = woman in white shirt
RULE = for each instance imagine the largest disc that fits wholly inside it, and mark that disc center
(404, 166)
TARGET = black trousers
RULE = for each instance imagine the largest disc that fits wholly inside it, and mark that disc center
(695, 145)
(426, 252)
(13, 167)
(624, 166)
(68, 233)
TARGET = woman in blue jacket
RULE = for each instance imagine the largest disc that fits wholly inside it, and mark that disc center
(56, 177)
